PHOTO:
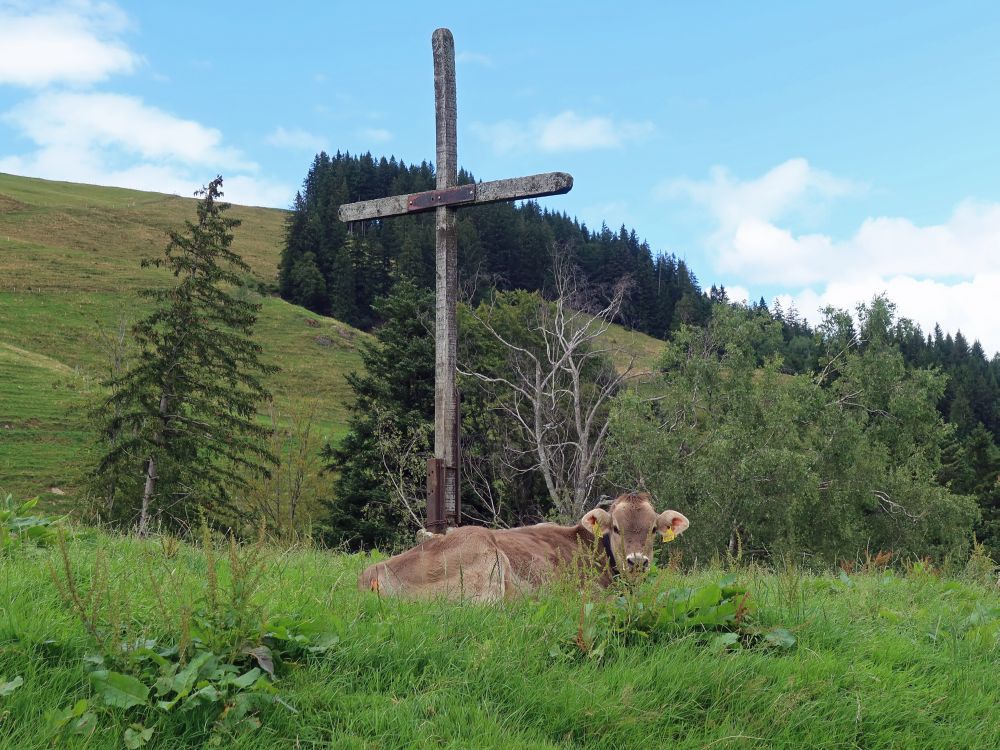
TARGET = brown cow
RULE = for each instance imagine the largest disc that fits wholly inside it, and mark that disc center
(472, 562)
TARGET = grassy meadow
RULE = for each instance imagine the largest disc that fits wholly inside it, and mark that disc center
(881, 659)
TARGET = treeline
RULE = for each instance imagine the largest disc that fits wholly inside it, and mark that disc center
(969, 401)
(972, 394)
(340, 270)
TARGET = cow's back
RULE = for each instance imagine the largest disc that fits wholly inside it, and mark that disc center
(537, 552)
(466, 563)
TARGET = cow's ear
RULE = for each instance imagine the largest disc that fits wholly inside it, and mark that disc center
(671, 522)
(597, 520)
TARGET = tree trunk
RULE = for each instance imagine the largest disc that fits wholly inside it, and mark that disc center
(147, 496)
(151, 475)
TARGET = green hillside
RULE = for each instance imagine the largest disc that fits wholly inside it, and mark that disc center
(69, 271)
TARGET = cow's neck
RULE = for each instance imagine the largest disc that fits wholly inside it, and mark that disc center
(604, 557)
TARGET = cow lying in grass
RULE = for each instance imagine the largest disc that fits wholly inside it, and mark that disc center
(472, 562)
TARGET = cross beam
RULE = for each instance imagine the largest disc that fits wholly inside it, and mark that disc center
(517, 188)
(443, 471)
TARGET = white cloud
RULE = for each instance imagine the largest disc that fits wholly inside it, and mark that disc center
(504, 137)
(91, 121)
(791, 187)
(750, 240)
(105, 138)
(939, 273)
(475, 58)
(738, 293)
(297, 139)
(111, 139)
(73, 42)
(378, 135)
(963, 246)
(252, 190)
(566, 131)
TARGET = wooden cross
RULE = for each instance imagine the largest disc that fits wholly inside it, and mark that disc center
(443, 471)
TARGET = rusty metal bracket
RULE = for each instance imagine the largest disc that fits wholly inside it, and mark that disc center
(436, 521)
(446, 197)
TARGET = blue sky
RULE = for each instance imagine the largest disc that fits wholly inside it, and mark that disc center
(818, 153)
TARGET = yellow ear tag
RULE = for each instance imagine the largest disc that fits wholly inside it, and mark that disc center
(669, 536)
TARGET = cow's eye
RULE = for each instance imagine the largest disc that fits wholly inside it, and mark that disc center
(615, 527)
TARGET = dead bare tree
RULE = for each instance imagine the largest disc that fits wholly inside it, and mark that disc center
(404, 457)
(555, 390)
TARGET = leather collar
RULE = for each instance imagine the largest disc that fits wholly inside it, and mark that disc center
(613, 564)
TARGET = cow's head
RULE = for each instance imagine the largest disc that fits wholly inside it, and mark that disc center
(630, 524)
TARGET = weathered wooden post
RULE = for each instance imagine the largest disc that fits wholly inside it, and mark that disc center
(446, 501)
(444, 506)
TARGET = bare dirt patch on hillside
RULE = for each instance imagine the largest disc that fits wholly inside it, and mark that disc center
(10, 204)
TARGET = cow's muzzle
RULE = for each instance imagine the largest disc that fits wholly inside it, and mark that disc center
(637, 561)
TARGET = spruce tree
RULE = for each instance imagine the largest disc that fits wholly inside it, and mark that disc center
(395, 392)
(342, 285)
(180, 431)
(306, 285)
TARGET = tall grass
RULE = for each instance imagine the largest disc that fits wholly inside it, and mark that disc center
(883, 660)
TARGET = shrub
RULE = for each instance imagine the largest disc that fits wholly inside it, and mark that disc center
(773, 464)
(17, 527)
(212, 660)
(720, 613)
